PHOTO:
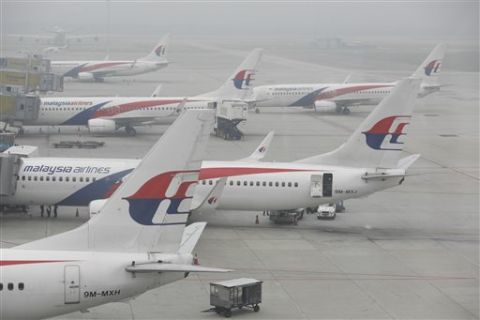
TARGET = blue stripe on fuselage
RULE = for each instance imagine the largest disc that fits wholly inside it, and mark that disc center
(83, 117)
(308, 100)
(93, 191)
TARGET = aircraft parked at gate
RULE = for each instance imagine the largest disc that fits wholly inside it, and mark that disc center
(99, 70)
(106, 115)
(59, 38)
(137, 243)
(341, 96)
(368, 162)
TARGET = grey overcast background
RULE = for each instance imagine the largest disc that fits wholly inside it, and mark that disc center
(412, 19)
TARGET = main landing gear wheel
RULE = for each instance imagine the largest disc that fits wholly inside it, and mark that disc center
(338, 109)
(130, 131)
(256, 308)
(346, 110)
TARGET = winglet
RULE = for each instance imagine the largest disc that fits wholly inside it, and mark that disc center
(181, 106)
(157, 90)
(190, 237)
(262, 148)
(210, 201)
(406, 162)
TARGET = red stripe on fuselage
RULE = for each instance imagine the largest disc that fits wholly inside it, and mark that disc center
(97, 66)
(126, 107)
(212, 173)
(17, 262)
(329, 94)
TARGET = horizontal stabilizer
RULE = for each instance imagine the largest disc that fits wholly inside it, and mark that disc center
(261, 150)
(170, 267)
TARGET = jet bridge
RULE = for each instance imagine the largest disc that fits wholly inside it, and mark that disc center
(9, 166)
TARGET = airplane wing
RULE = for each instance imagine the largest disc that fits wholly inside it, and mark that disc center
(170, 267)
(261, 150)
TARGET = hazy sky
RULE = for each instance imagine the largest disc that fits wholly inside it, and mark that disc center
(309, 18)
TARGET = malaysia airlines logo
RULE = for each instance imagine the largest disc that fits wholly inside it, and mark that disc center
(262, 149)
(243, 78)
(432, 67)
(386, 134)
(160, 51)
(164, 199)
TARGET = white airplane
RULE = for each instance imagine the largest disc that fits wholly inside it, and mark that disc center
(341, 96)
(108, 114)
(99, 70)
(138, 242)
(369, 161)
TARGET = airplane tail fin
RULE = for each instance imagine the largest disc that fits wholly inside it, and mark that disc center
(149, 211)
(379, 140)
(159, 52)
(239, 85)
(429, 70)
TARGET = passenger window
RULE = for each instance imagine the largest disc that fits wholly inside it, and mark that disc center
(258, 183)
(270, 184)
(10, 286)
(276, 184)
(289, 184)
(1, 286)
(94, 179)
(238, 182)
(231, 182)
(53, 178)
(47, 178)
(80, 179)
(41, 178)
(264, 184)
(67, 179)
(35, 178)
(251, 183)
(60, 179)
(296, 184)
(245, 183)
(21, 286)
(87, 179)
(283, 184)
(210, 182)
(74, 179)
(18, 178)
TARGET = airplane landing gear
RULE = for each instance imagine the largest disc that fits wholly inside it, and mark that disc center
(346, 110)
(257, 110)
(130, 131)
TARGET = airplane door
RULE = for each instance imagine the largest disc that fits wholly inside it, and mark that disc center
(327, 184)
(321, 185)
(316, 186)
(72, 284)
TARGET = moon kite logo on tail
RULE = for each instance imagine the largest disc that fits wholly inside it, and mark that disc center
(432, 67)
(386, 133)
(242, 79)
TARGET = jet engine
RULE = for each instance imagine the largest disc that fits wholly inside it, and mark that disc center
(95, 206)
(85, 76)
(101, 126)
(324, 105)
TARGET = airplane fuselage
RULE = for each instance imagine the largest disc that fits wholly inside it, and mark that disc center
(59, 282)
(90, 70)
(250, 185)
(79, 110)
(319, 95)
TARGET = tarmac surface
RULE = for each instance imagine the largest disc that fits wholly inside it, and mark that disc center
(411, 252)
